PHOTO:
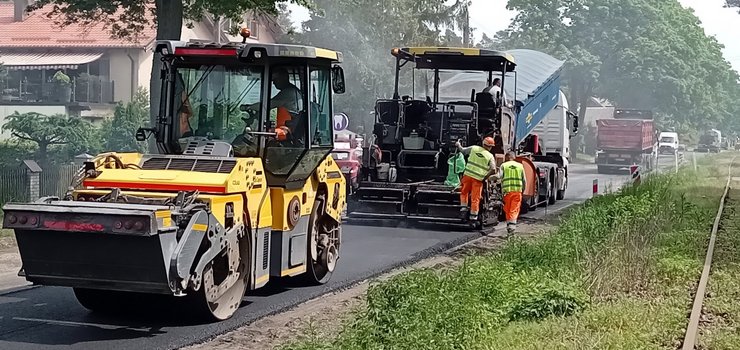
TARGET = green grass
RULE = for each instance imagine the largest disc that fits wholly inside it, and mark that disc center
(615, 274)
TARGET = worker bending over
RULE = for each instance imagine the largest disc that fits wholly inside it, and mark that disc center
(513, 183)
(481, 164)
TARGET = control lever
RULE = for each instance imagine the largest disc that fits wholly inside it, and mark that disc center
(249, 131)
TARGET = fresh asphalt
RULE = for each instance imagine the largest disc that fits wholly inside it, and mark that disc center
(50, 317)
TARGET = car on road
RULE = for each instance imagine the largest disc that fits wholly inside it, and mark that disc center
(668, 143)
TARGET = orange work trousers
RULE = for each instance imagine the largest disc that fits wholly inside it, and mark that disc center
(474, 189)
(512, 204)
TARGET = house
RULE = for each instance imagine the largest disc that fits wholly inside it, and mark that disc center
(82, 71)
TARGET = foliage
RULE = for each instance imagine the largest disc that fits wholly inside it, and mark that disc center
(119, 132)
(61, 78)
(732, 3)
(645, 54)
(366, 30)
(49, 131)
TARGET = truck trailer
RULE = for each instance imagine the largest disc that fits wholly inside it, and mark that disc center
(629, 139)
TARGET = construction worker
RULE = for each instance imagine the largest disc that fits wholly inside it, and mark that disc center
(481, 164)
(513, 183)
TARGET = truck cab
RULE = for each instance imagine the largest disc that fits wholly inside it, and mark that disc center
(668, 142)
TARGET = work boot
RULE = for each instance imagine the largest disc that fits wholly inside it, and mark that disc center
(473, 217)
(510, 229)
(464, 212)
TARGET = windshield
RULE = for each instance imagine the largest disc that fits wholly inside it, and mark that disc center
(666, 139)
(213, 101)
(340, 155)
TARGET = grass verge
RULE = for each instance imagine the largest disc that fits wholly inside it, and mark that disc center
(617, 273)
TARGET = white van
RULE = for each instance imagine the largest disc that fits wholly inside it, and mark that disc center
(668, 142)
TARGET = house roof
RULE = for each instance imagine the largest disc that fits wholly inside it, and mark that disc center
(37, 29)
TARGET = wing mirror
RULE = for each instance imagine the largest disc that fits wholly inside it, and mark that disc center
(142, 134)
(337, 80)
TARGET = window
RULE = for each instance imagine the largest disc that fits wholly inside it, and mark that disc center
(321, 128)
(287, 109)
(340, 155)
(218, 102)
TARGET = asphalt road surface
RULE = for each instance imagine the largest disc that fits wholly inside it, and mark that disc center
(50, 317)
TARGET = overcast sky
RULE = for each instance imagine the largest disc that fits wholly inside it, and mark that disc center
(490, 16)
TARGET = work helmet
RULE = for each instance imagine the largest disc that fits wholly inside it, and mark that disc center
(488, 142)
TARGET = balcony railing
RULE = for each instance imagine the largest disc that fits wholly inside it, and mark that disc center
(89, 89)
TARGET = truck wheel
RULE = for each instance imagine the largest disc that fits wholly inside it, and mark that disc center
(548, 190)
(553, 196)
(322, 248)
(600, 169)
(560, 195)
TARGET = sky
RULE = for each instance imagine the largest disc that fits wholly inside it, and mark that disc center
(490, 16)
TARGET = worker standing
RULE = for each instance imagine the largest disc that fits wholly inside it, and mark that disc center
(513, 183)
(481, 164)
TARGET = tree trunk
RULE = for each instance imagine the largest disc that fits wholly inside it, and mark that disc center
(169, 27)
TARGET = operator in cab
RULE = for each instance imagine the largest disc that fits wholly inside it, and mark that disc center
(480, 166)
(286, 104)
(496, 91)
(513, 183)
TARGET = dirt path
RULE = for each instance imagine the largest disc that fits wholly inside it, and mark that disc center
(329, 310)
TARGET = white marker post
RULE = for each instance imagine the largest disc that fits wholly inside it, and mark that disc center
(693, 155)
(676, 161)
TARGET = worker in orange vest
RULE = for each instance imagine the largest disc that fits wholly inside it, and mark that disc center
(481, 164)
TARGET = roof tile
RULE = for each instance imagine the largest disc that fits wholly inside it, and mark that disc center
(37, 28)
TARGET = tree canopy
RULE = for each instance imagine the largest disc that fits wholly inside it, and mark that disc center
(52, 130)
(648, 54)
(366, 30)
(119, 132)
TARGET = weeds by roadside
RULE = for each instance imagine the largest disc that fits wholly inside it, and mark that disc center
(616, 273)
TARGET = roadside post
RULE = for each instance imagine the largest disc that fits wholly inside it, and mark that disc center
(676, 161)
(595, 188)
(635, 173)
(693, 156)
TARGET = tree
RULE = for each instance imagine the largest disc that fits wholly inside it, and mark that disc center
(126, 19)
(647, 54)
(48, 131)
(119, 132)
(732, 3)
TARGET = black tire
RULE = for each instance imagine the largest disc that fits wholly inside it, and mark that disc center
(553, 194)
(316, 272)
(560, 194)
(600, 170)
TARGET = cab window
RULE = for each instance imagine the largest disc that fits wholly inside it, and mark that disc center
(287, 109)
(321, 128)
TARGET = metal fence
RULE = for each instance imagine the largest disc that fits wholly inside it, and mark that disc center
(53, 181)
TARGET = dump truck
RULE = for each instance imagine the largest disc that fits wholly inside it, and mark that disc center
(231, 200)
(415, 134)
(710, 141)
(628, 139)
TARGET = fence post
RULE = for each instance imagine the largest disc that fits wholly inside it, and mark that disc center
(33, 172)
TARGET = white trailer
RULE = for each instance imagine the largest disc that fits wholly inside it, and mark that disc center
(554, 133)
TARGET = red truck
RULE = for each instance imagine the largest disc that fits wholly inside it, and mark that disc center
(629, 139)
(348, 155)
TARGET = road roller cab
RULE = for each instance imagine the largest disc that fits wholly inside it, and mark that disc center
(238, 192)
